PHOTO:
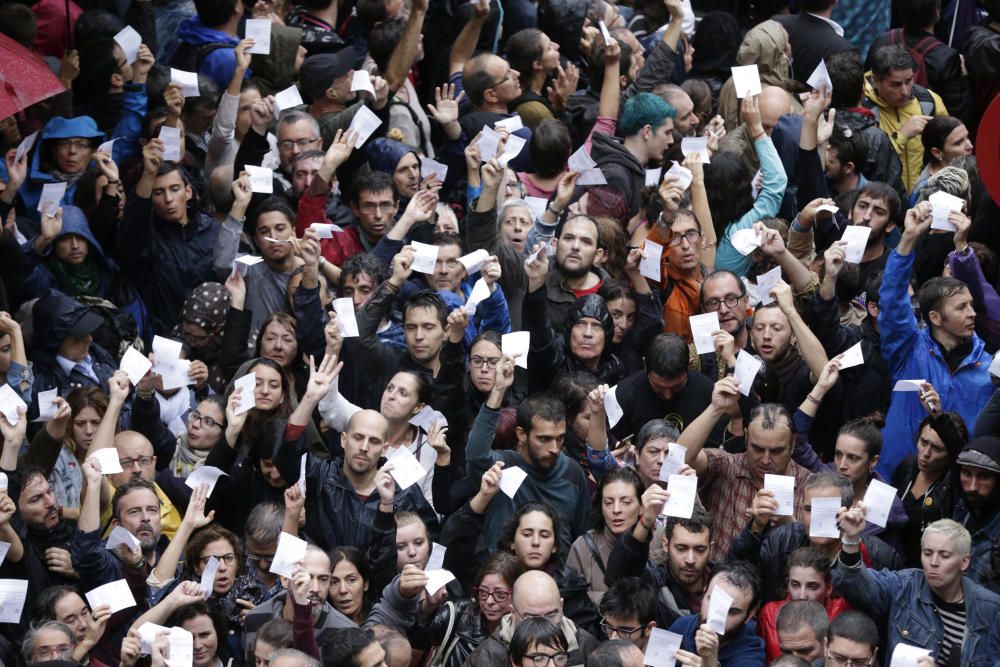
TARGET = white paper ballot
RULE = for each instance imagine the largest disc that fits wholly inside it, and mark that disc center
(681, 174)
(823, 517)
(291, 550)
(425, 257)
(683, 492)
(107, 147)
(856, 237)
(4, 548)
(120, 535)
(25, 146)
(653, 177)
(52, 196)
(995, 366)
(365, 123)
(878, 502)
(12, 595)
(783, 487)
(581, 161)
(188, 81)
(436, 560)
(181, 648)
(325, 230)
(135, 364)
(766, 283)
(944, 203)
(171, 137)
(474, 261)
(718, 610)
(649, 265)
(829, 208)
(698, 145)
(661, 648)
(611, 406)
(907, 655)
(362, 80)
(107, 458)
(248, 399)
(427, 417)
(173, 374)
(605, 34)
(909, 385)
(3, 482)
(406, 469)
(516, 345)
(346, 317)
(259, 30)
(261, 179)
(533, 257)
(747, 367)
(432, 168)
(489, 142)
(852, 357)
(288, 98)
(511, 480)
(46, 404)
(167, 349)
(130, 41)
(204, 475)
(702, 327)
(480, 292)
(512, 124)
(116, 595)
(820, 78)
(592, 177)
(208, 575)
(511, 149)
(10, 402)
(746, 80)
(147, 635)
(746, 240)
(676, 455)
(437, 579)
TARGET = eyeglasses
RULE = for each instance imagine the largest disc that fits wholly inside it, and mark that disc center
(555, 615)
(506, 77)
(302, 144)
(371, 207)
(207, 422)
(228, 559)
(499, 594)
(482, 362)
(730, 300)
(692, 236)
(78, 144)
(623, 633)
(259, 558)
(143, 461)
(543, 659)
(849, 662)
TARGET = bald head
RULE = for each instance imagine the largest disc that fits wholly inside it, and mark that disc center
(536, 594)
(364, 442)
(134, 448)
(774, 102)
(675, 96)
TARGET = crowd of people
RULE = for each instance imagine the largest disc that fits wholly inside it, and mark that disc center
(487, 333)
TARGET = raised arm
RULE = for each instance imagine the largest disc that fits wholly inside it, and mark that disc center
(896, 322)
(794, 270)
(808, 345)
(465, 44)
(194, 518)
(725, 400)
(405, 53)
(611, 93)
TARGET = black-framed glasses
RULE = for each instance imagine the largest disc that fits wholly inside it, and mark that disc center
(482, 362)
(555, 615)
(78, 144)
(692, 236)
(301, 144)
(499, 594)
(623, 633)
(143, 461)
(207, 422)
(506, 77)
(844, 661)
(228, 559)
(730, 300)
(544, 659)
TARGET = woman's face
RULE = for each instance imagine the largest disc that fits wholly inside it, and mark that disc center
(72, 249)
(622, 312)
(206, 642)
(492, 609)
(268, 393)
(226, 576)
(514, 227)
(347, 589)
(277, 343)
(6, 348)
(205, 425)
(932, 456)
(271, 474)
(619, 506)
(73, 155)
(805, 583)
(412, 545)
(851, 459)
(85, 423)
(73, 611)
(262, 653)
(534, 541)
(483, 359)
(400, 400)
(537, 649)
(581, 422)
(956, 144)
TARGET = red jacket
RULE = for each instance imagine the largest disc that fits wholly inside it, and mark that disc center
(311, 209)
(767, 625)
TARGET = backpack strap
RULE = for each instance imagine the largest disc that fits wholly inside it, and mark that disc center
(592, 545)
(927, 104)
(927, 44)
(896, 37)
(441, 654)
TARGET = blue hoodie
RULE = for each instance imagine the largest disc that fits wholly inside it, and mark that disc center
(218, 65)
(744, 650)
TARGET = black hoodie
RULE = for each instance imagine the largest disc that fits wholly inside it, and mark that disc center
(621, 168)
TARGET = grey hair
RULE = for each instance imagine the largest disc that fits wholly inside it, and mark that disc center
(954, 531)
(307, 660)
(827, 478)
(31, 636)
(950, 179)
(263, 526)
(513, 203)
(295, 116)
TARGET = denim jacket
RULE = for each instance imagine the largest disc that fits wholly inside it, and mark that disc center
(904, 598)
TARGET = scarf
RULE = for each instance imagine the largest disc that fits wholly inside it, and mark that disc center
(779, 373)
(187, 460)
(681, 304)
(83, 280)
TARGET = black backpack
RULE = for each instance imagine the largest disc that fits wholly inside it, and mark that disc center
(189, 57)
(918, 52)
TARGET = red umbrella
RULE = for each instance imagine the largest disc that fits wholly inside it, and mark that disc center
(24, 78)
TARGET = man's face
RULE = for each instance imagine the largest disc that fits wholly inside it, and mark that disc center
(957, 316)
(627, 628)
(76, 348)
(363, 443)
(650, 458)
(978, 485)
(515, 226)
(303, 174)
(135, 450)
(359, 288)
(274, 225)
(874, 213)
(768, 449)
(687, 555)
(171, 196)
(666, 389)
(801, 642)
(732, 319)
(544, 444)
(896, 88)
(317, 564)
(739, 612)
(375, 211)
(295, 138)
(805, 583)
(576, 247)
(448, 271)
(139, 512)
(507, 83)
(685, 255)
(51, 644)
(71, 249)
(808, 496)
(660, 139)
(586, 339)
(373, 655)
(842, 650)
(622, 312)
(835, 169)
(37, 505)
(406, 176)
(942, 564)
(771, 333)
(424, 334)
(261, 555)
(685, 120)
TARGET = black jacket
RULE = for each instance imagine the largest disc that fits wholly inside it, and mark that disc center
(982, 59)
(621, 168)
(467, 634)
(812, 39)
(883, 162)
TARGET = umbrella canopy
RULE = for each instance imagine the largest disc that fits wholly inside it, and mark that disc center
(24, 78)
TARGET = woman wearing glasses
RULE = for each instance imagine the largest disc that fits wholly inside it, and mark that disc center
(538, 642)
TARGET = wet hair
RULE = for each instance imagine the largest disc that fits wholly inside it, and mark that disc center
(629, 597)
(427, 299)
(867, 429)
(509, 532)
(890, 58)
(373, 182)
(855, 626)
(363, 263)
(847, 74)
(45, 603)
(936, 133)
(544, 406)
(536, 631)
(770, 415)
(798, 613)
(622, 474)
(212, 610)
(200, 541)
(699, 522)
(655, 429)
(550, 147)
(667, 356)
(743, 576)
(934, 292)
(885, 192)
(829, 478)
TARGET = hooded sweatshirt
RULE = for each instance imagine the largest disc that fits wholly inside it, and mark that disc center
(622, 169)
(219, 64)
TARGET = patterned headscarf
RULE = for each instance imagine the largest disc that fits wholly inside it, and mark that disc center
(206, 307)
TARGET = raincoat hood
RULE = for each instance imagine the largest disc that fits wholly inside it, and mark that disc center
(274, 70)
(384, 154)
(75, 224)
(592, 305)
(56, 316)
(195, 33)
(765, 45)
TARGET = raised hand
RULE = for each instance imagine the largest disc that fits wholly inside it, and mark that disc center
(412, 580)
(333, 335)
(13, 434)
(750, 114)
(489, 485)
(402, 266)
(130, 649)
(458, 320)
(564, 86)
(195, 516)
(504, 374)
(653, 500)
(930, 400)
(152, 156)
(344, 143)
(174, 99)
(58, 561)
(322, 376)
(537, 269)
(445, 107)
(300, 585)
(237, 289)
(437, 438)
(385, 485)
(242, 57)
(492, 271)
(762, 510)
